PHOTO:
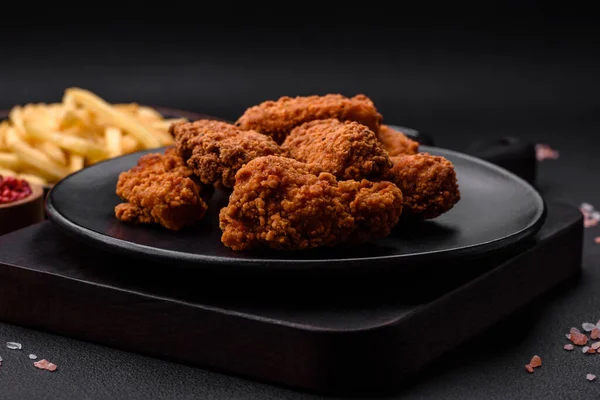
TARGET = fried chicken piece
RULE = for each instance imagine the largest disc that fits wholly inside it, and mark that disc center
(285, 204)
(278, 118)
(215, 151)
(161, 189)
(183, 132)
(345, 149)
(428, 184)
(395, 142)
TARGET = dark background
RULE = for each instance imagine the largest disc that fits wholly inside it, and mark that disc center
(458, 72)
(475, 67)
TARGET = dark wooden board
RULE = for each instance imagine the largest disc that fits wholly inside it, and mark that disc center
(331, 334)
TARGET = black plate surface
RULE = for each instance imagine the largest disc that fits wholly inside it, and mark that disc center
(497, 209)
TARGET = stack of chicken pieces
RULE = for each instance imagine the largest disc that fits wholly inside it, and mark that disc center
(303, 172)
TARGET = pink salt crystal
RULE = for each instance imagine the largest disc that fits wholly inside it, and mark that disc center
(590, 377)
(595, 334)
(596, 345)
(568, 336)
(545, 152)
(597, 239)
(536, 361)
(585, 349)
(588, 223)
(574, 330)
(45, 364)
(579, 339)
(529, 368)
(568, 347)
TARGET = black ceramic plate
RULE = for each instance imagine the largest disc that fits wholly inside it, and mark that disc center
(497, 210)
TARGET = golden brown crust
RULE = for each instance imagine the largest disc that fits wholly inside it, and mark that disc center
(428, 184)
(395, 142)
(345, 149)
(376, 208)
(285, 204)
(278, 118)
(215, 150)
(128, 212)
(160, 189)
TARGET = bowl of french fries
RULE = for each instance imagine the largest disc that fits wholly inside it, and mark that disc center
(44, 142)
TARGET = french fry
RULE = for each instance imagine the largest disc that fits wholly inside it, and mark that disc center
(7, 172)
(10, 161)
(149, 114)
(33, 157)
(113, 137)
(16, 118)
(164, 124)
(115, 117)
(4, 125)
(75, 144)
(76, 163)
(29, 170)
(53, 152)
(131, 108)
(35, 179)
(129, 144)
(46, 141)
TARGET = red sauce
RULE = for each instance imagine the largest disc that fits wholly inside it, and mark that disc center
(13, 189)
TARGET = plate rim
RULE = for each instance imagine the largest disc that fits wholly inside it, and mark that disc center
(115, 245)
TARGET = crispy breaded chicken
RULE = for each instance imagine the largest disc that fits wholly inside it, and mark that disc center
(395, 142)
(285, 204)
(278, 118)
(428, 184)
(345, 149)
(215, 151)
(160, 189)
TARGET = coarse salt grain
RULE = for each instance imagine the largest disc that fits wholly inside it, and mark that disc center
(529, 368)
(596, 345)
(578, 338)
(544, 152)
(568, 347)
(45, 364)
(587, 326)
(595, 334)
(590, 377)
(536, 361)
(14, 345)
(574, 330)
(32, 356)
(586, 207)
(595, 215)
(585, 349)
(588, 223)
(597, 239)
